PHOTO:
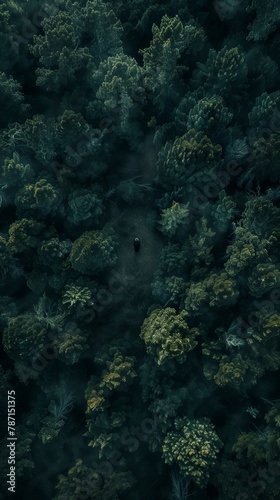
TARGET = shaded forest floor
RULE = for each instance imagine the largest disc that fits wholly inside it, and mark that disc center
(132, 221)
(129, 308)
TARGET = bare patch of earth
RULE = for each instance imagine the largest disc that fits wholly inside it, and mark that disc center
(132, 221)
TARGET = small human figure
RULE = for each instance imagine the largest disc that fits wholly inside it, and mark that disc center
(136, 244)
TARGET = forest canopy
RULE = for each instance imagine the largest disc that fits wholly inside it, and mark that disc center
(145, 372)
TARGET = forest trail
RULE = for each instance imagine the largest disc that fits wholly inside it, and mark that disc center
(131, 221)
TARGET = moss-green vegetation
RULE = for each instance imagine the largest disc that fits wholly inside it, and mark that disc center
(148, 375)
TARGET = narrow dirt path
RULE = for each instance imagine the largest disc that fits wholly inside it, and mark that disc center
(132, 221)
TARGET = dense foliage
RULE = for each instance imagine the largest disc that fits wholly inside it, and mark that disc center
(149, 375)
